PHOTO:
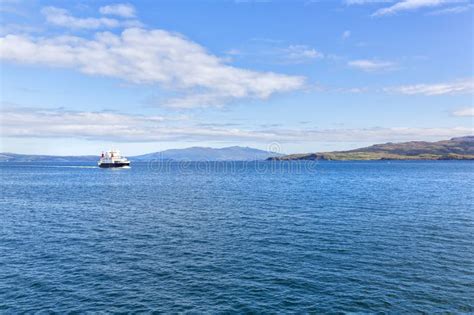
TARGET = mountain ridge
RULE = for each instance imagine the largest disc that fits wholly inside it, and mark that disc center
(233, 153)
(458, 148)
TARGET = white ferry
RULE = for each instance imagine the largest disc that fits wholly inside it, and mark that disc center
(112, 158)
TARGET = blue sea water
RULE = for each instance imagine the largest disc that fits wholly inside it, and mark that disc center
(267, 237)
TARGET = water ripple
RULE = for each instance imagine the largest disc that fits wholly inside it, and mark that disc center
(337, 237)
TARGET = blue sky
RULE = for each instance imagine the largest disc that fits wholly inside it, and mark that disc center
(299, 76)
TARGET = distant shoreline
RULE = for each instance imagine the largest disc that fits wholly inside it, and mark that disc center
(342, 158)
(461, 148)
(269, 160)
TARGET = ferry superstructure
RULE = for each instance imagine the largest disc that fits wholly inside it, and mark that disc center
(112, 158)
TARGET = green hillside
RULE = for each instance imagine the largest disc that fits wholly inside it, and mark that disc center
(461, 148)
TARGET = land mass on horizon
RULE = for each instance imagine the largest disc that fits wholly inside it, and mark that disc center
(461, 148)
(234, 153)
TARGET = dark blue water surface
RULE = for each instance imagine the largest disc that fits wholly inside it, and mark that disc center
(234, 237)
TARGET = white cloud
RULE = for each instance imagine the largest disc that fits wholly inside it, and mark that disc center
(61, 17)
(301, 53)
(371, 65)
(150, 57)
(409, 5)
(46, 123)
(465, 112)
(456, 87)
(346, 34)
(118, 127)
(233, 52)
(121, 9)
(352, 90)
(275, 51)
(453, 10)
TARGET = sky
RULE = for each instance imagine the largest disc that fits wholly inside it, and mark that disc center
(287, 76)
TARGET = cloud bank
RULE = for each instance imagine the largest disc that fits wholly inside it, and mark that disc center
(118, 127)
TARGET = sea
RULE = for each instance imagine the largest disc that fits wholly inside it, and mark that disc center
(237, 237)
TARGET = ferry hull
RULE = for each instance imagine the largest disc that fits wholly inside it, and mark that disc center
(110, 165)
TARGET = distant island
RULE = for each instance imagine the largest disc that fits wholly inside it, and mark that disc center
(234, 153)
(461, 148)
